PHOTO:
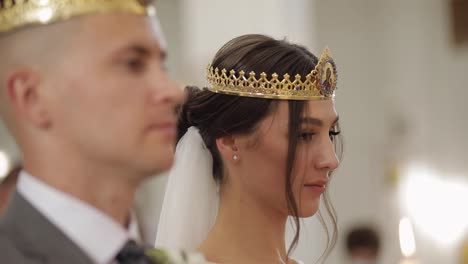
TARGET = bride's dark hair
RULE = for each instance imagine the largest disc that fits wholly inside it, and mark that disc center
(218, 115)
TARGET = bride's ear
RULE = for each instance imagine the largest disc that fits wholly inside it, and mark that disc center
(227, 147)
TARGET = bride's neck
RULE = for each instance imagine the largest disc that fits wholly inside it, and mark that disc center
(245, 232)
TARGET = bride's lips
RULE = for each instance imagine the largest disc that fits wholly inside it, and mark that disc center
(317, 186)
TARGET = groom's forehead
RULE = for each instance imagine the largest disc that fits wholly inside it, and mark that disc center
(138, 34)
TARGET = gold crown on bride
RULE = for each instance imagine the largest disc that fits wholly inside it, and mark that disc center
(20, 13)
(319, 84)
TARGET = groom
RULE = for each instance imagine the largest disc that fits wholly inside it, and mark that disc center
(84, 92)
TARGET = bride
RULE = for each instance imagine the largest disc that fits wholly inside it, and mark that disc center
(257, 146)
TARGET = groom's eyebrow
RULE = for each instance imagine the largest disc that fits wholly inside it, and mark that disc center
(143, 50)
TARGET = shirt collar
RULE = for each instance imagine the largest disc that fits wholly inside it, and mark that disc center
(98, 235)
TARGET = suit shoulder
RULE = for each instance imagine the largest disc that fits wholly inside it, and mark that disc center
(9, 252)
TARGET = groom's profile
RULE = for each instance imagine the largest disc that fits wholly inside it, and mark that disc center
(84, 92)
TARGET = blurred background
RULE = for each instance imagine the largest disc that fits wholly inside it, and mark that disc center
(403, 74)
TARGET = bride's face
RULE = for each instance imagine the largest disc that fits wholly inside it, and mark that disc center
(264, 156)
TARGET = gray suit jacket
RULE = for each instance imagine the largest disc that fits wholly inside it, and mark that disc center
(27, 237)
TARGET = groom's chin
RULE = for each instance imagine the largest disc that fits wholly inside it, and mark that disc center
(154, 166)
(163, 164)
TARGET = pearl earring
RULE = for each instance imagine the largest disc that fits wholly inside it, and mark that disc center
(235, 157)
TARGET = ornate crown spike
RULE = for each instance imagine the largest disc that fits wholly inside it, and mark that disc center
(320, 84)
(20, 13)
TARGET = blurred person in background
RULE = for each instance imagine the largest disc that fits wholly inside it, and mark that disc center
(363, 245)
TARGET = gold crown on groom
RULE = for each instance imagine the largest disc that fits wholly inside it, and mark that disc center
(319, 84)
(16, 14)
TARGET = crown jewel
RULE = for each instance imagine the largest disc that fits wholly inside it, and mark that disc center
(319, 84)
(19, 13)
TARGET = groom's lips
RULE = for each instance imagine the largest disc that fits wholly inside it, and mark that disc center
(167, 128)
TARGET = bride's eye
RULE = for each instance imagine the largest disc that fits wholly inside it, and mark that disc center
(305, 136)
(333, 134)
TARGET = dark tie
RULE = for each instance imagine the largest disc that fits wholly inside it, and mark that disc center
(132, 253)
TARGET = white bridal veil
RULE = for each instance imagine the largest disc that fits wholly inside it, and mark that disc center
(191, 199)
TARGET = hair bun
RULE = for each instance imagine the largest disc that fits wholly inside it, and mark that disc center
(185, 120)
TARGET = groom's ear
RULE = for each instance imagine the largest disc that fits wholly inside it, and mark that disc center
(227, 146)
